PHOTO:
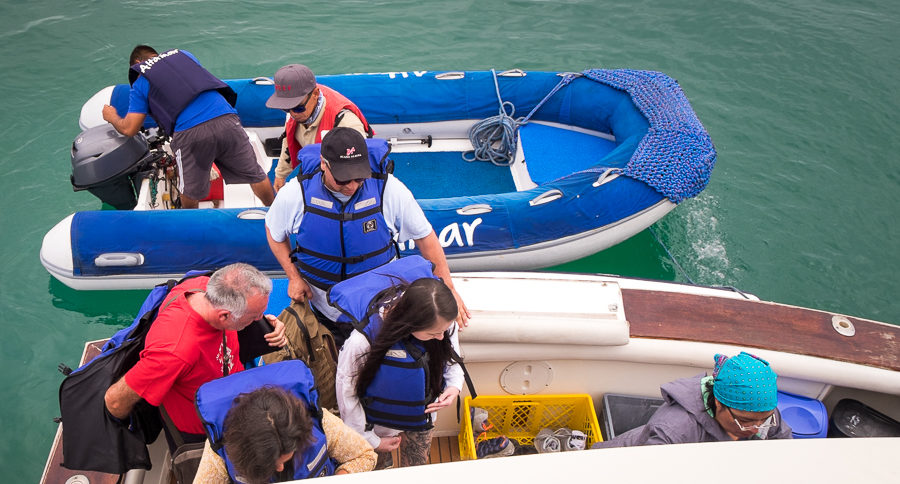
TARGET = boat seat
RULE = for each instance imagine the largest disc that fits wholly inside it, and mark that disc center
(551, 152)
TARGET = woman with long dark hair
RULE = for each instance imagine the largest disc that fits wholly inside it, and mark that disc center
(396, 370)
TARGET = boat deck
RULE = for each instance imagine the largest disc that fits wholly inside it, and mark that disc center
(443, 449)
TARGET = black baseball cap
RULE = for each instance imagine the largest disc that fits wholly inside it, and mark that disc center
(345, 151)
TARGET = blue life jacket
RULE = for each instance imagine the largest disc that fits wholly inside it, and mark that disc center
(215, 398)
(398, 394)
(175, 81)
(337, 241)
(94, 440)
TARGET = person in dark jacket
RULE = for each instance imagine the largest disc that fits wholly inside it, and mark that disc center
(738, 402)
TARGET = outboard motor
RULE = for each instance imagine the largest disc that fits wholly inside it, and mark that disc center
(104, 162)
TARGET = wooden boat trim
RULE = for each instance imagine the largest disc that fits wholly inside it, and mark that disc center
(759, 324)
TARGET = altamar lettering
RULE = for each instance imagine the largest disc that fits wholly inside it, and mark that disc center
(451, 234)
(147, 64)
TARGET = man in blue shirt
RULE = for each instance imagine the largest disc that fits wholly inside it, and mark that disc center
(188, 103)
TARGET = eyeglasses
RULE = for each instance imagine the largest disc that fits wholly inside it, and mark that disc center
(769, 422)
(300, 108)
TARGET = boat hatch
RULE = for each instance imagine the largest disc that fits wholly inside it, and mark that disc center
(519, 311)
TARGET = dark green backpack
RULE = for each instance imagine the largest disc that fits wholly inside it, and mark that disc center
(313, 343)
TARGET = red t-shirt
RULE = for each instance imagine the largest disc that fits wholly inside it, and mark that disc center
(182, 352)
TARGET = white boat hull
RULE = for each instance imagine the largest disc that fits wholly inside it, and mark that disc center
(589, 334)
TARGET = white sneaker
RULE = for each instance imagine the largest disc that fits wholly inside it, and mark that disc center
(575, 441)
(546, 441)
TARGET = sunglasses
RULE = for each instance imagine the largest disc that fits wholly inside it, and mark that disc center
(769, 422)
(345, 183)
(300, 108)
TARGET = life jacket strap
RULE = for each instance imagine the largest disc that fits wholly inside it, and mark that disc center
(344, 260)
(390, 401)
(387, 416)
(343, 216)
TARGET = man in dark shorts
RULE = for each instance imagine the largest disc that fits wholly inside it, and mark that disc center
(187, 102)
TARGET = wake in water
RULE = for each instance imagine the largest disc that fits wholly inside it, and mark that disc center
(692, 231)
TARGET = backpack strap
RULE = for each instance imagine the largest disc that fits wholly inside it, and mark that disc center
(174, 433)
(290, 347)
(454, 356)
(226, 360)
(370, 133)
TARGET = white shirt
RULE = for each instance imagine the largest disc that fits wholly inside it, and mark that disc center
(402, 214)
(349, 363)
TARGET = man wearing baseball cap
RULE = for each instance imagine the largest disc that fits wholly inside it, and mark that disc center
(312, 110)
(342, 217)
(192, 106)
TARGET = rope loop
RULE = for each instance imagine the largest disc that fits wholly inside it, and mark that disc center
(495, 139)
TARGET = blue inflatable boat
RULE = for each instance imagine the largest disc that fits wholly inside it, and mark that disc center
(594, 158)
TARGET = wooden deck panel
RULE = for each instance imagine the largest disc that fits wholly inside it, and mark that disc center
(777, 327)
(443, 449)
(454, 449)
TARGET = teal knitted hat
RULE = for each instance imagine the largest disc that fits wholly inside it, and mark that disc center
(745, 382)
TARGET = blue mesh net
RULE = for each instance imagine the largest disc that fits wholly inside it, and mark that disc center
(677, 155)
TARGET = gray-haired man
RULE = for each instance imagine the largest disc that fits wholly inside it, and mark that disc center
(194, 340)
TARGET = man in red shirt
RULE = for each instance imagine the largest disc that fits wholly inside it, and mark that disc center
(192, 341)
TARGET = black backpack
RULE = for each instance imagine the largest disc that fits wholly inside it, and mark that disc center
(94, 440)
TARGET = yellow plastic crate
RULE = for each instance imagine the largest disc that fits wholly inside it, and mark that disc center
(521, 417)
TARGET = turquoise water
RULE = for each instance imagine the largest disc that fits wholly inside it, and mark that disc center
(801, 99)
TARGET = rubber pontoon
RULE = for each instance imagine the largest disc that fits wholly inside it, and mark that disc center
(605, 156)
